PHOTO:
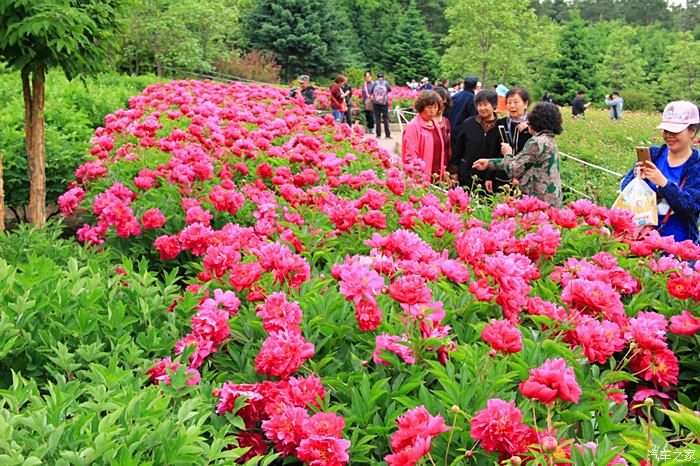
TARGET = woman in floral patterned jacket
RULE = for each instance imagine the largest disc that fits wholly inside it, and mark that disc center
(538, 166)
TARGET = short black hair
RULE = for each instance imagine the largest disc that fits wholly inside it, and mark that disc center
(487, 95)
(425, 99)
(521, 91)
(445, 96)
(470, 82)
(581, 92)
(545, 117)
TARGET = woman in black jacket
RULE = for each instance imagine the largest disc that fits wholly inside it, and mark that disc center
(477, 139)
(515, 127)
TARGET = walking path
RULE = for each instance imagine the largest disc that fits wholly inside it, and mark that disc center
(393, 145)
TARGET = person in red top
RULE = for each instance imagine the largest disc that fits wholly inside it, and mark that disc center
(338, 104)
(423, 140)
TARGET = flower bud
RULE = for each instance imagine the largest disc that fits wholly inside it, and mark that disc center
(549, 443)
(469, 453)
(516, 460)
(648, 401)
(493, 353)
(365, 363)
(454, 409)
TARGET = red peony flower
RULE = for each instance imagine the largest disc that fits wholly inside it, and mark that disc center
(287, 429)
(255, 441)
(550, 381)
(368, 315)
(685, 324)
(659, 366)
(499, 428)
(503, 336)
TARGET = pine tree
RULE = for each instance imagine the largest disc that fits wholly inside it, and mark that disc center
(409, 51)
(576, 64)
(303, 35)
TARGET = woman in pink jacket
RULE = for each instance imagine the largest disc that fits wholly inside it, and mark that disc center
(423, 140)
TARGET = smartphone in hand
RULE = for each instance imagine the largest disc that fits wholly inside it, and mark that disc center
(504, 134)
(643, 154)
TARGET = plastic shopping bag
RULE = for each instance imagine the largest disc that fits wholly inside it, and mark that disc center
(640, 199)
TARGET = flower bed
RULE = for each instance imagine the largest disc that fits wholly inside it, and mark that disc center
(349, 313)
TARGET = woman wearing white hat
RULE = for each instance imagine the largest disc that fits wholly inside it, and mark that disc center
(674, 172)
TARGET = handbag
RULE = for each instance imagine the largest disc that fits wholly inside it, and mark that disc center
(367, 104)
(342, 105)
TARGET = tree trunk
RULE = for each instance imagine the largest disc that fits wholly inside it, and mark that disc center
(34, 137)
(484, 71)
(2, 199)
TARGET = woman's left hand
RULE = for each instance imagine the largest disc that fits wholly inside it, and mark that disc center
(653, 174)
(523, 126)
(481, 164)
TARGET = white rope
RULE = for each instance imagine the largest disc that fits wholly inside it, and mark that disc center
(597, 167)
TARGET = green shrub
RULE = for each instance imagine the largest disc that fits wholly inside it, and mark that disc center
(639, 100)
(76, 340)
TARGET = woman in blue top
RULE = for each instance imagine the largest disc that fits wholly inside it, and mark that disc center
(674, 172)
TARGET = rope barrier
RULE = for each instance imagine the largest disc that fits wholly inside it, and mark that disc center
(592, 165)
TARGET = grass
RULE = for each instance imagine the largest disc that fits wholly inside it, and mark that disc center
(598, 140)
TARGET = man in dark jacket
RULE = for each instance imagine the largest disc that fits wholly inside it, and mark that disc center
(462, 108)
(578, 107)
(478, 138)
(305, 89)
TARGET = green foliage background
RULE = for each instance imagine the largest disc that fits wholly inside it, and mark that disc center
(75, 108)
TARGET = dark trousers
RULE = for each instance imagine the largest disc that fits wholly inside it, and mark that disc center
(369, 117)
(381, 113)
(348, 115)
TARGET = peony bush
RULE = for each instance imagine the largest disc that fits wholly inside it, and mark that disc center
(346, 311)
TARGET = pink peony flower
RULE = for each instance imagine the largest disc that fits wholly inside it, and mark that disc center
(550, 381)
(159, 372)
(410, 289)
(599, 340)
(499, 428)
(358, 281)
(153, 218)
(324, 451)
(287, 429)
(685, 324)
(417, 428)
(211, 324)
(503, 336)
(390, 343)
(279, 314)
(282, 353)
